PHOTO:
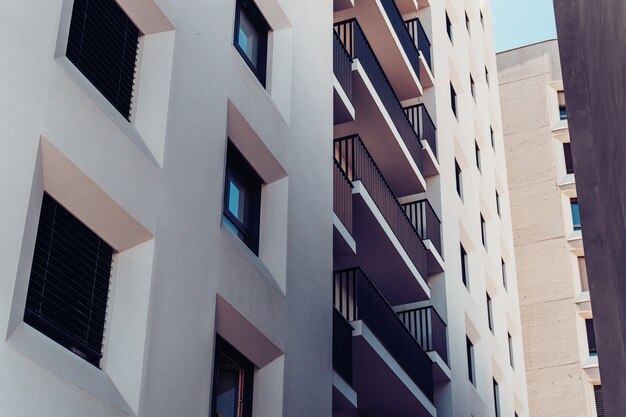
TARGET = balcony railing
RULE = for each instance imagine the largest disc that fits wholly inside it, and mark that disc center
(402, 31)
(423, 124)
(417, 32)
(425, 220)
(428, 328)
(342, 346)
(342, 197)
(358, 165)
(357, 298)
(342, 65)
(359, 48)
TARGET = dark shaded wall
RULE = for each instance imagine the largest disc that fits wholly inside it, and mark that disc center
(592, 43)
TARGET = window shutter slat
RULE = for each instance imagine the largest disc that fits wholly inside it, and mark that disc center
(103, 44)
(597, 391)
(69, 283)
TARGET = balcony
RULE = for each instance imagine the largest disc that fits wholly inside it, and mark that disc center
(421, 42)
(391, 42)
(343, 242)
(388, 243)
(427, 134)
(392, 373)
(428, 226)
(343, 110)
(380, 117)
(428, 328)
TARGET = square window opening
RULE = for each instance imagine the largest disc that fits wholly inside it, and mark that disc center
(251, 37)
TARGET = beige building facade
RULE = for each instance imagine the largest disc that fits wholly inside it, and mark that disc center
(557, 321)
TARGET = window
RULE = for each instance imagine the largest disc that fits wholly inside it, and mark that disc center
(467, 23)
(473, 87)
(575, 214)
(449, 27)
(251, 31)
(453, 101)
(487, 76)
(597, 392)
(489, 313)
(591, 337)
(470, 361)
(503, 273)
(496, 398)
(511, 359)
(458, 178)
(562, 106)
(582, 270)
(477, 152)
(464, 269)
(483, 231)
(242, 199)
(569, 162)
(102, 44)
(498, 203)
(482, 19)
(69, 282)
(492, 136)
(233, 377)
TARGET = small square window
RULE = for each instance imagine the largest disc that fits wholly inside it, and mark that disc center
(487, 76)
(251, 30)
(575, 214)
(482, 19)
(242, 199)
(470, 361)
(591, 337)
(483, 231)
(467, 23)
(103, 44)
(453, 101)
(504, 280)
(493, 139)
(477, 151)
(464, 268)
(498, 204)
(233, 377)
(489, 313)
(69, 282)
(511, 357)
(449, 27)
(562, 105)
(458, 178)
(496, 397)
(569, 161)
(473, 87)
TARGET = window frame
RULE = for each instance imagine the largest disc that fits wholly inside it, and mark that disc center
(574, 203)
(45, 323)
(471, 369)
(490, 313)
(464, 267)
(591, 337)
(262, 28)
(228, 350)
(458, 179)
(237, 166)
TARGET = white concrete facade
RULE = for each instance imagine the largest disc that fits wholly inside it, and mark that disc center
(554, 294)
(153, 188)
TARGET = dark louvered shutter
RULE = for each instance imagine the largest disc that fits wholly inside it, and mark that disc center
(597, 391)
(569, 162)
(591, 336)
(103, 44)
(69, 282)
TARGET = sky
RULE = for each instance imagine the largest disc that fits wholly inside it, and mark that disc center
(520, 23)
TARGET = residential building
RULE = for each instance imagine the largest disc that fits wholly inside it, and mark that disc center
(166, 210)
(423, 322)
(591, 41)
(557, 319)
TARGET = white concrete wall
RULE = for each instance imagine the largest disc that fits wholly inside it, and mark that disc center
(553, 308)
(466, 312)
(163, 176)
